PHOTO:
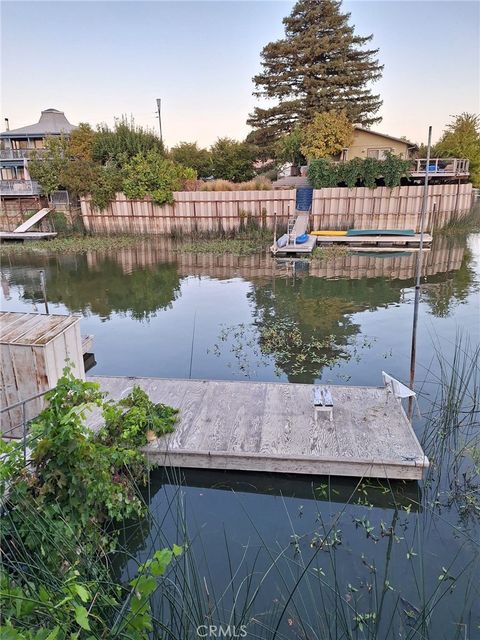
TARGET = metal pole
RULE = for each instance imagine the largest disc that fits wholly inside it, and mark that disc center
(275, 232)
(44, 290)
(159, 105)
(24, 426)
(418, 275)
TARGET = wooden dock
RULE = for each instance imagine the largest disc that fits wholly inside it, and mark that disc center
(377, 240)
(305, 248)
(255, 426)
(27, 235)
(359, 243)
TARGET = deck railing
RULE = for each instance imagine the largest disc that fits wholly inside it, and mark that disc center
(441, 166)
(19, 188)
(19, 154)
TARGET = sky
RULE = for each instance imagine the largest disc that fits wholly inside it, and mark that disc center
(98, 60)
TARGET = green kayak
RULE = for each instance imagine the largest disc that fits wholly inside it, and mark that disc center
(380, 232)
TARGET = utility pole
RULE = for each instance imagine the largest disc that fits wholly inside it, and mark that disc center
(159, 105)
(419, 269)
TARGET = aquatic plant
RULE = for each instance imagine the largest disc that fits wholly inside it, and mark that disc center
(248, 240)
(135, 417)
(72, 244)
(255, 345)
(329, 252)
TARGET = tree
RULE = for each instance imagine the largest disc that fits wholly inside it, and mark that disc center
(153, 175)
(48, 166)
(125, 141)
(288, 148)
(191, 155)
(461, 139)
(326, 135)
(80, 143)
(232, 160)
(320, 65)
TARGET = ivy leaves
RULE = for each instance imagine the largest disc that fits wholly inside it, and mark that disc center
(323, 173)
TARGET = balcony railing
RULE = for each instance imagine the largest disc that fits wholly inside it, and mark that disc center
(19, 188)
(18, 154)
(447, 167)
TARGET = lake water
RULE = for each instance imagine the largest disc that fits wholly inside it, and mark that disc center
(374, 562)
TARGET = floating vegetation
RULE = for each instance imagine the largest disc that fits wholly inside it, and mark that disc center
(329, 252)
(243, 243)
(220, 246)
(72, 244)
(293, 353)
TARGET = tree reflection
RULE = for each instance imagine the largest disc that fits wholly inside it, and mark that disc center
(101, 289)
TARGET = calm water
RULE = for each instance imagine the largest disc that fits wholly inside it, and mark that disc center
(156, 312)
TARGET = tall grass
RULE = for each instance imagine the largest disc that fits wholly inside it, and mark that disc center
(260, 183)
(353, 570)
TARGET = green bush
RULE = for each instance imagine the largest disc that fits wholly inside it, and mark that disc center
(123, 142)
(56, 581)
(394, 169)
(232, 160)
(154, 176)
(324, 172)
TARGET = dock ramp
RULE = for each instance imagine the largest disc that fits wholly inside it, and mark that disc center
(28, 224)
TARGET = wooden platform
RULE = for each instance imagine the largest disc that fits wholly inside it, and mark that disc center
(254, 426)
(377, 240)
(359, 243)
(27, 235)
(306, 247)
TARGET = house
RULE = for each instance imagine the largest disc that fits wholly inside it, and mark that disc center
(16, 146)
(372, 144)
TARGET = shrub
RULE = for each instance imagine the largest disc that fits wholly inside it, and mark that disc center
(189, 154)
(260, 183)
(123, 142)
(394, 169)
(232, 160)
(154, 176)
(371, 171)
(322, 173)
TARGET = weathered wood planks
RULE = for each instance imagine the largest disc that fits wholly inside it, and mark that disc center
(272, 427)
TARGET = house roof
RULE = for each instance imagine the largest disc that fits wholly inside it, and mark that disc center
(52, 122)
(385, 135)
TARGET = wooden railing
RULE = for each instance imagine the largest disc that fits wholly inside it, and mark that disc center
(441, 167)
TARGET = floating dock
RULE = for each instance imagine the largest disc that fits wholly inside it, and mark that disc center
(257, 426)
(366, 243)
(27, 235)
(377, 240)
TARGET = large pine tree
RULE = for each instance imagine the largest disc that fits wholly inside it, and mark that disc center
(320, 65)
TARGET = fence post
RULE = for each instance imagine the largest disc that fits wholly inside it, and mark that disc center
(24, 426)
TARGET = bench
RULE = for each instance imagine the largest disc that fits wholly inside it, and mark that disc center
(322, 401)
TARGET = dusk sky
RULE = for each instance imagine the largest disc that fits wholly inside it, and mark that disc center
(98, 60)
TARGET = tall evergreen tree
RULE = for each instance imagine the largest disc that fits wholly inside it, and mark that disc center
(320, 65)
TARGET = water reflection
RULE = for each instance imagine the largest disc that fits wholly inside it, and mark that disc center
(158, 311)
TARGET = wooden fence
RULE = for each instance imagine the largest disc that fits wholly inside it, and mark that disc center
(192, 211)
(385, 208)
(224, 211)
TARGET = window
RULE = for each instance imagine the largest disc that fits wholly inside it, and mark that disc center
(7, 173)
(379, 154)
